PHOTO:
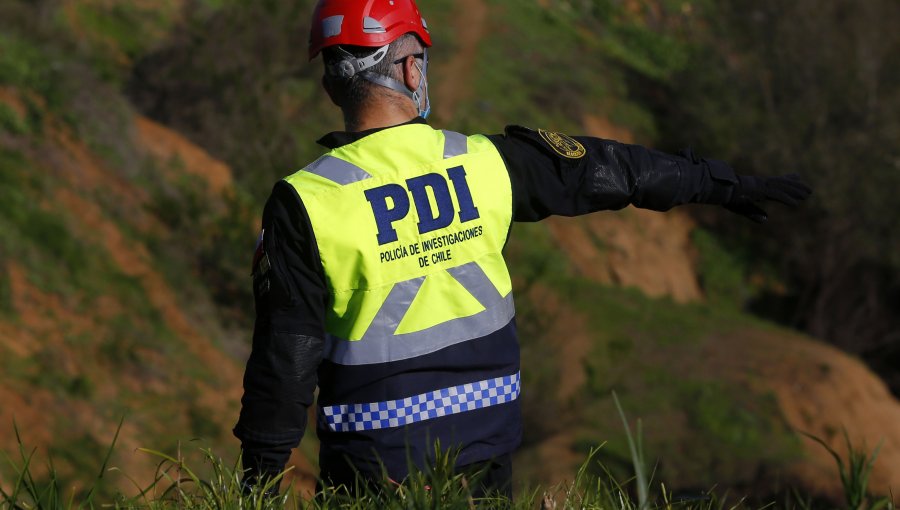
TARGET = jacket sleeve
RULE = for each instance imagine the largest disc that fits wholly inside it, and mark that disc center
(554, 174)
(280, 378)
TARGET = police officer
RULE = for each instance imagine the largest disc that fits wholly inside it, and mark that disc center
(378, 275)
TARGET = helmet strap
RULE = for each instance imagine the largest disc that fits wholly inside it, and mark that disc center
(349, 66)
(416, 95)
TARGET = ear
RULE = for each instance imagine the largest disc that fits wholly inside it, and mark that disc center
(332, 93)
(411, 74)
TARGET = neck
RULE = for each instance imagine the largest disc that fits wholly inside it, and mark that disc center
(380, 113)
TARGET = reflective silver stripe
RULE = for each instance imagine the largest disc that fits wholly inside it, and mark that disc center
(455, 144)
(380, 345)
(394, 308)
(337, 170)
(372, 26)
(476, 281)
(331, 26)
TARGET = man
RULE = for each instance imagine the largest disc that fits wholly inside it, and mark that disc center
(379, 276)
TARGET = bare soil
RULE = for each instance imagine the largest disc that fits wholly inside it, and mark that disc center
(169, 146)
(821, 391)
(47, 321)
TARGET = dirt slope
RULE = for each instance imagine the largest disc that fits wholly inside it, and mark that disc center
(819, 389)
(634, 247)
(167, 145)
(61, 343)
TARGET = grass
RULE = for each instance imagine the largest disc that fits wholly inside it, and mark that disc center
(6, 300)
(35, 67)
(524, 44)
(636, 448)
(178, 483)
(854, 473)
(653, 352)
(527, 43)
(11, 122)
(36, 237)
(721, 272)
(202, 480)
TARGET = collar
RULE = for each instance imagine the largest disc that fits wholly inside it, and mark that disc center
(337, 139)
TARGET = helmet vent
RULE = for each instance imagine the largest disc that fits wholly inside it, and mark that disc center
(331, 26)
(372, 26)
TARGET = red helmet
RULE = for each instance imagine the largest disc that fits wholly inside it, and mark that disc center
(372, 23)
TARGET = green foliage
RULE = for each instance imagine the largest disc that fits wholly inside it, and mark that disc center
(20, 62)
(131, 27)
(537, 66)
(11, 122)
(540, 46)
(31, 492)
(651, 352)
(636, 447)
(645, 51)
(201, 480)
(855, 473)
(201, 425)
(213, 241)
(43, 370)
(533, 256)
(33, 66)
(212, 483)
(261, 115)
(711, 408)
(722, 274)
(35, 236)
(576, 58)
(533, 261)
(6, 299)
(762, 92)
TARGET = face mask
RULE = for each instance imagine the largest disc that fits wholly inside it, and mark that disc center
(423, 86)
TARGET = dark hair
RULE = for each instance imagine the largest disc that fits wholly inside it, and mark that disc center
(354, 92)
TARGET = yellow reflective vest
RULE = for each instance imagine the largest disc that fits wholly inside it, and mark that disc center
(410, 223)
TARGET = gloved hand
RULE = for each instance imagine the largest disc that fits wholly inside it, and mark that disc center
(787, 189)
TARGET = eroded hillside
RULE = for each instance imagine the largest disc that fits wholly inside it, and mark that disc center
(99, 323)
(124, 250)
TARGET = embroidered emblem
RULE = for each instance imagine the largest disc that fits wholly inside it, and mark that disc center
(564, 145)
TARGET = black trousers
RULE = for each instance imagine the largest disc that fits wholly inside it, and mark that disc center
(486, 478)
(491, 477)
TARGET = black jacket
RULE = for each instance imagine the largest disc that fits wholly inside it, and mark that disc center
(551, 174)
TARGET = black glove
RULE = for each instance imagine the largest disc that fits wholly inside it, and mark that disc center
(787, 189)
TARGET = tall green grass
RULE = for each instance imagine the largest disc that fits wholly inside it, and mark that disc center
(854, 473)
(207, 482)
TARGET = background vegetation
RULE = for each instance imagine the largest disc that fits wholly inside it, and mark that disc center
(136, 300)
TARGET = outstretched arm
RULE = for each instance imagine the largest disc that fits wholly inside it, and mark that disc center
(554, 174)
(280, 379)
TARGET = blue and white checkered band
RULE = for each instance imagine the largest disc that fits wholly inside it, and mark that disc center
(443, 402)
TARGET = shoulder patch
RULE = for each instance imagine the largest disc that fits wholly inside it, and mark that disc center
(564, 145)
